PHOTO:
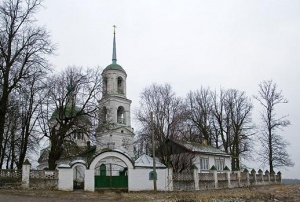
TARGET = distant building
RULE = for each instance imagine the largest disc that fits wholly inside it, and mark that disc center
(202, 156)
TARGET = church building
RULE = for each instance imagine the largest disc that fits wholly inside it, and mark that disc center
(111, 162)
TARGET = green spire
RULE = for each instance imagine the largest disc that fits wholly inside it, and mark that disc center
(114, 55)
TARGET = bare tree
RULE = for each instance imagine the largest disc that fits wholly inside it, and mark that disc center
(240, 108)
(72, 103)
(199, 106)
(233, 124)
(169, 116)
(30, 98)
(273, 150)
(20, 129)
(23, 49)
(10, 133)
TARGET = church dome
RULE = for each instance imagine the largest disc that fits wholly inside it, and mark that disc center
(114, 67)
(71, 112)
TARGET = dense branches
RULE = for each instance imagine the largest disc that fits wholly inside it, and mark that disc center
(222, 120)
(23, 49)
(199, 106)
(169, 116)
(71, 105)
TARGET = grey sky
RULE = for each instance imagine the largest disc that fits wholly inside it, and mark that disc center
(229, 44)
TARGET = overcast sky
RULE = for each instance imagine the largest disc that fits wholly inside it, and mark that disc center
(188, 44)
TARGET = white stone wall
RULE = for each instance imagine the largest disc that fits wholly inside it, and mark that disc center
(138, 180)
(65, 179)
(89, 180)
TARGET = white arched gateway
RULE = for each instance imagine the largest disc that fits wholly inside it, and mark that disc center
(109, 169)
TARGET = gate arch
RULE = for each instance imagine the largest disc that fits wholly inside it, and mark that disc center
(78, 169)
(111, 170)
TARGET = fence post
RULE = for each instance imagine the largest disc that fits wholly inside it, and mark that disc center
(65, 178)
(238, 176)
(215, 174)
(253, 173)
(279, 177)
(196, 177)
(267, 173)
(26, 173)
(260, 172)
(247, 177)
(227, 171)
(170, 179)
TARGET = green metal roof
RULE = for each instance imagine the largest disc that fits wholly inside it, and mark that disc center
(114, 67)
(70, 112)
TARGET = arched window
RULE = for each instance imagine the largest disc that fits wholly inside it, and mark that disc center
(151, 175)
(121, 115)
(120, 85)
(102, 170)
(104, 115)
(104, 85)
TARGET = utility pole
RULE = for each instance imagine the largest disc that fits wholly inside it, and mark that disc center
(153, 153)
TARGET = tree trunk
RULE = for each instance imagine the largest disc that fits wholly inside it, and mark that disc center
(3, 111)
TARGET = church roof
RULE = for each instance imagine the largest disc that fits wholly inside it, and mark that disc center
(147, 161)
(114, 67)
(70, 112)
(200, 148)
(196, 147)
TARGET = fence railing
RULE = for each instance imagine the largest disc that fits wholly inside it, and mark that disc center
(183, 176)
(44, 174)
(11, 173)
(212, 180)
(206, 176)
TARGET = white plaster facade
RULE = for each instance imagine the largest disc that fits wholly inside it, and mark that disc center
(114, 130)
(138, 180)
(212, 161)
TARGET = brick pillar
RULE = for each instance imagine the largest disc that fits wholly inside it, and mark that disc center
(238, 176)
(65, 178)
(261, 175)
(196, 178)
(268, 176)
(26, 174)
(248, 178)
(253, 172)
(279, 178)
(89, 180)
(228, 177)
(215, 173)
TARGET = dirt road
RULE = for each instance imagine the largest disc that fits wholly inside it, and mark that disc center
(257, 194)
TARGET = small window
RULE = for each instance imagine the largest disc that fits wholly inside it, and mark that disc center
(220, 164)
(204, 164)
(151, 175)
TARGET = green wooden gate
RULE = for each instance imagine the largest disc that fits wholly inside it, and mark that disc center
(111, 176)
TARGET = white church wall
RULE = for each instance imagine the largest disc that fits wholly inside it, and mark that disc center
(138, 179)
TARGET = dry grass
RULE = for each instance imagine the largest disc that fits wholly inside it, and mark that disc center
(259, 193)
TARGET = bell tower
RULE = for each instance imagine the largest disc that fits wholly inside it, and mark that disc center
(114, 129)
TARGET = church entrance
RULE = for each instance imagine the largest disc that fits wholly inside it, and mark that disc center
(111, 176)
